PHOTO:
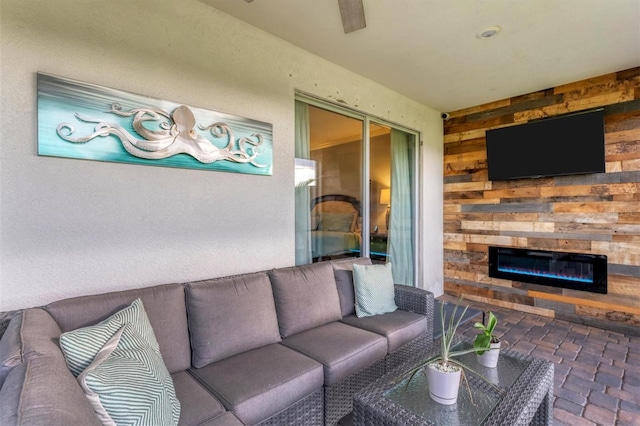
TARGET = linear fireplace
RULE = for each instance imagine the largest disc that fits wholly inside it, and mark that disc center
(567, 270)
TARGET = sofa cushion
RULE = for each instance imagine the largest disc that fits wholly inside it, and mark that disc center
(399, 327)
(197, 405)
(374, 289)
(10, 347)
(81, 346)
(225, 419)
(128, 383)
(342, 349)
(230, 315)
(260, 383)
(343, 273)
(165, 308)
(305, 296)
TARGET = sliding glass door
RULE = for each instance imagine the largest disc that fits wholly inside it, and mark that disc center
(355, 188)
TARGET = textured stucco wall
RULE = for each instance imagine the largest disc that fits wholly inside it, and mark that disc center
(74, 227)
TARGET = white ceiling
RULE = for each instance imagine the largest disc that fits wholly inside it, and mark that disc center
(429, 51)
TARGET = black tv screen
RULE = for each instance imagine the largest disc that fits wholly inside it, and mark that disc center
(565, 145)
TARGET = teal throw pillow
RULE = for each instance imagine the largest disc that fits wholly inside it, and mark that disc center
(81, 346)
(128, 383)
(374, 289)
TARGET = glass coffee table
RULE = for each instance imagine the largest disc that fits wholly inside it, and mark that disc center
(523, 394)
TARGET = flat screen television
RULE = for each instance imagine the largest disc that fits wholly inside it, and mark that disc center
(564, 145)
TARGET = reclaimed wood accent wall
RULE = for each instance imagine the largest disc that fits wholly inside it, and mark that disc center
(592, 213)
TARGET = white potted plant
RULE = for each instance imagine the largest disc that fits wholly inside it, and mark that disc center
(443, 372)
(487, 339)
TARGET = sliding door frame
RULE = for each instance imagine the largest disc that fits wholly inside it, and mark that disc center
(367, 119)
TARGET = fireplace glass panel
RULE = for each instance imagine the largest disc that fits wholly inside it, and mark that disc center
(566, 270)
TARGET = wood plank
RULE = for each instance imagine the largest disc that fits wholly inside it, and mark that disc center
(624, 253)
(579, 86)
(586, 302)
(516, 217)
(462, 197)
(484, 107)
(452, 208)
(587, 217)
(608, 315)
(623, 136)
(624, 285)
(629, 216)
(613, 166)
(462, 147)
(596, 207)
(631, 165)
(496, 240)
(481, 216)
(527, 192)
(468, 201)
(464, 275)
(631, 73)
(457, 289)
(625, 238)
(507, 226)
(622, 188)
(620, 121)
(464, 166)
(467, 186)
(483, 119)
(610, 298)
(465, 157)
(619, 228)
(560, 244)
(463, 136)
(509, 305)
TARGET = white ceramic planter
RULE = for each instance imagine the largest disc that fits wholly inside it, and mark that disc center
(490, 358)
(443, 386)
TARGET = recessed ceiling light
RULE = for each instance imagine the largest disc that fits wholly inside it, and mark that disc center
(489, 32)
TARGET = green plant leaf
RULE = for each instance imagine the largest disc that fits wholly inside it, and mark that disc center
(482, 343)
(479, 325)
(492, 322)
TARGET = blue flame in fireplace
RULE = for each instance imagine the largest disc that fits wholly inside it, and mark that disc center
(546, 275)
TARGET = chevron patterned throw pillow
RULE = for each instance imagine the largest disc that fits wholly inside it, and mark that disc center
(374, 289)
(128, 383)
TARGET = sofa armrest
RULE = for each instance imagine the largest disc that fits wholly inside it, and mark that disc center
(416, 300)
(41, 390)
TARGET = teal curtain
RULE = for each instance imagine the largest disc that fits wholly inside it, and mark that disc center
(303, 213)
(401, 244)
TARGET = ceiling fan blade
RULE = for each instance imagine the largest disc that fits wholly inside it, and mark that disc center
(352, 13)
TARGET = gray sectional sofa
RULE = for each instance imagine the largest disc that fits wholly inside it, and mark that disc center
(277, 347)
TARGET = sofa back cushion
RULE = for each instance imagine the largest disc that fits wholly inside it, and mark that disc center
(230, 315)
(343, 272)
(306, 296)
(163, 304)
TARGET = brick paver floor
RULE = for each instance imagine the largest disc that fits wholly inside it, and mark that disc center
(597, 372)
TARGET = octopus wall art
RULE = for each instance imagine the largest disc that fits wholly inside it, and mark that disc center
(82, 120)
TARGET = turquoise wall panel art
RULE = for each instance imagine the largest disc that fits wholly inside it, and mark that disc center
(86, 121)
